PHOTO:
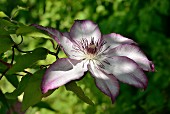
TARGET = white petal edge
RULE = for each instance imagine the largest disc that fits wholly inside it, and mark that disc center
(125, 70)
(107, 83)
(61, 72)
(133, 52)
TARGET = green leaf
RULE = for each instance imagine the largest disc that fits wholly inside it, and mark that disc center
(22, 8)
(2, 67)
(2, 14)
(6, 23)
(22, 30)
(20, 89)
(6, 27)
(72, 86)
(6, 31)
(30, 31)
(45, 105)
(32, 92)
(3, 99)
(27, 60)
(13, 80)
(5, 43)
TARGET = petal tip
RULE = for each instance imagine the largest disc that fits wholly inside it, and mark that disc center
(113, 97)
(113, 100)
(152, 67)
(82, 21)
(145, 85)
(43, 90)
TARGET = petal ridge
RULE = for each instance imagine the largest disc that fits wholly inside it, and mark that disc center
(126, 70)
(106, 83)
(133, 52)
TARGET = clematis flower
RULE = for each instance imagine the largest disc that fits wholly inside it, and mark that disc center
(109, 58)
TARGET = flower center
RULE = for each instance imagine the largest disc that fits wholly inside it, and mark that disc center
(91, 51)
(89, 48)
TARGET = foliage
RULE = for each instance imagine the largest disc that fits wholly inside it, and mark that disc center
(25, 52)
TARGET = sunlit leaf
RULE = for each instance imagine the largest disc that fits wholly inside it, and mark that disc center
(27, 60)
(13, 80)
(2, 14)
(22, 8)
(72, 86)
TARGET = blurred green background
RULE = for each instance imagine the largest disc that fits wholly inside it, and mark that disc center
(145, 21)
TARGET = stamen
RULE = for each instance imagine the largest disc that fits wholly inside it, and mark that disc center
(90, 48)
(101, 65)
(106, 48)
(107, 62)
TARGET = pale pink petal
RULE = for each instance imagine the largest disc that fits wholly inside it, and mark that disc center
(61, 72)
(85, 29)
(108, 84)
(64, 40)
(125, 70)
(133, 52)
(67, 34)
(113, 40)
